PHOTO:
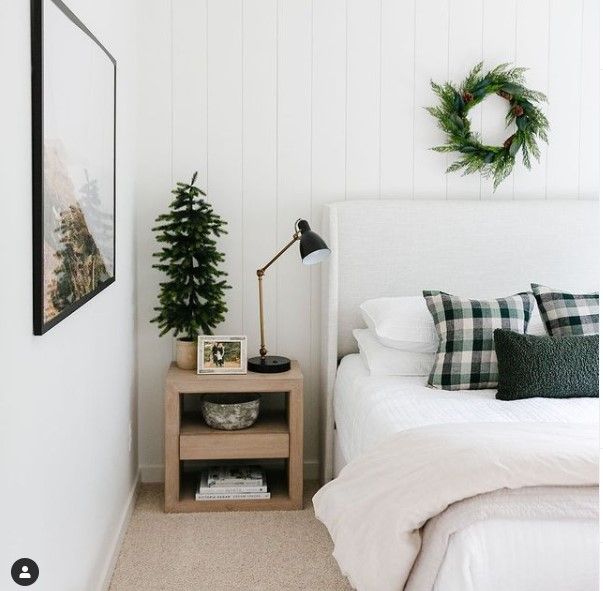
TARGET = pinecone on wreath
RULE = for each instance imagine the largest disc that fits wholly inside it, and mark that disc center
(509, 141)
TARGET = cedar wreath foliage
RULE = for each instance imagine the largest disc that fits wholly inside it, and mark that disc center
(191, 299)
(491, 161)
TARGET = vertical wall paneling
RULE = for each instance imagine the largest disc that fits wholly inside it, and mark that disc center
(533, 23)
(499, 47)
(225, 141)
(431, 63)
(465, 50)
(397, 99)
(328, 145)
(189, 90)
(328, 103)
(287, 105)
(259, 163)
(363, 98)
(565, 52)
(294, 180)
(589, 102)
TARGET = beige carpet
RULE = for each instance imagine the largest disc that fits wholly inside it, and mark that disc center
(251, 551)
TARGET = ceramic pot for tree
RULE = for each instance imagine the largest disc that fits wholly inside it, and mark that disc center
(186, 353)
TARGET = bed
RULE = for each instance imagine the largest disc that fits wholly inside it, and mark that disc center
(476, 249)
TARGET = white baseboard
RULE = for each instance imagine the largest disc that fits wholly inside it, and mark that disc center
(152, 473)
(118, 538)
(155, 472)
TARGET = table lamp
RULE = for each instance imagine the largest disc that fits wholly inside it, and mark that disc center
(312, 249)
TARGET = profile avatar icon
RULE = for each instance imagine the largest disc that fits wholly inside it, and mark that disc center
(25, 574)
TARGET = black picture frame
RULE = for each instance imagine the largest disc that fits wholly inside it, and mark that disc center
(41, 324)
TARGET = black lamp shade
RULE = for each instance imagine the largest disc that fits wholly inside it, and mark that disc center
(312, 247)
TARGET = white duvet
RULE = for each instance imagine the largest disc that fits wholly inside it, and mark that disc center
(375, 508)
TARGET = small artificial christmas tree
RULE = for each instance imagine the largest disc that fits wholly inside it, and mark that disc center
(191, 299)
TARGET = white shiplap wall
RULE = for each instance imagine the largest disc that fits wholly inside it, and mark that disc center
(283, 106)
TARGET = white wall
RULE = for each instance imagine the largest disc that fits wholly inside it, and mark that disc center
(284, 106)
(67, 398)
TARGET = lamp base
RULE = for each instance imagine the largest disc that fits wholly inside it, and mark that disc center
(269, 364)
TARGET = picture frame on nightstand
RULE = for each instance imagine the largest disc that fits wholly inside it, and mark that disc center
(221, 354)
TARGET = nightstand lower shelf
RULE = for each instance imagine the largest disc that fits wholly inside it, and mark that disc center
(278, 501)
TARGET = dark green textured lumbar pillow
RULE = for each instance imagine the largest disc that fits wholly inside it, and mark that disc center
(532, 366)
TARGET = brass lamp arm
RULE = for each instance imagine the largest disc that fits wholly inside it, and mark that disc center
(260, 274)
(289, 244)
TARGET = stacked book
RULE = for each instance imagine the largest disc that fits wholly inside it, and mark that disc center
(230, 483)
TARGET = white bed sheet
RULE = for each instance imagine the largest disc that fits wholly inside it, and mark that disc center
(370, 409)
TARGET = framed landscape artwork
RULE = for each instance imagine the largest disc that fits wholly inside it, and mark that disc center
(73, 128)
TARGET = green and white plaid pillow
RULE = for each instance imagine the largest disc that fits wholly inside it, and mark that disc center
(466, 359)
(567, 314)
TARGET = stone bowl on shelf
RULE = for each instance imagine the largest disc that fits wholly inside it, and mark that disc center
(230, 412)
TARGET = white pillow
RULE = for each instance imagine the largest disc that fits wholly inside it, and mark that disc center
(384, 361)
(402, 323)
(536, 325)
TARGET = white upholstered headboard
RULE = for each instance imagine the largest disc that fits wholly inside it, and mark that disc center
(471, 248)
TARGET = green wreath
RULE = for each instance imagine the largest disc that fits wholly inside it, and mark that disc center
(491, 161)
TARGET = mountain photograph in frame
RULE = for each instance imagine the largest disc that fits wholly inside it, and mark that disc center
(73, 149)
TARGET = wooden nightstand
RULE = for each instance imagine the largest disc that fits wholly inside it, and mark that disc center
(276, 435)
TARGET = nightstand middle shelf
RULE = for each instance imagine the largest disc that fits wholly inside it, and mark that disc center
(267, 438)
